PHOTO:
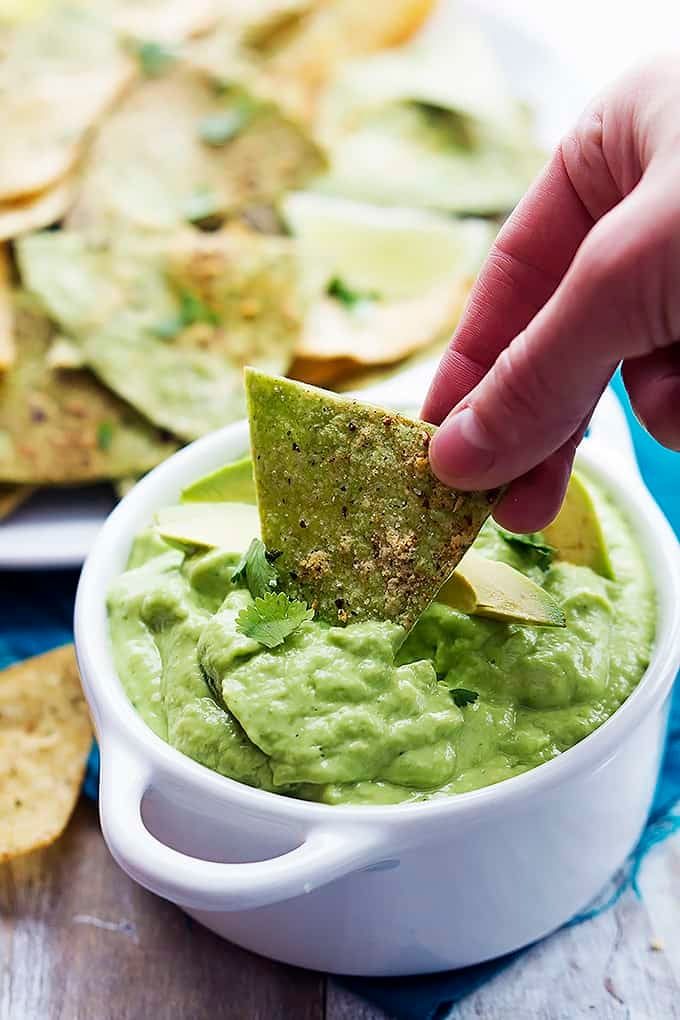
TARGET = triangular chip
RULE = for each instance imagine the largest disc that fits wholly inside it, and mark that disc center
(388, 252)
(160, 21)
(36, 211)
(169, 324)
(65, 426)
(177, 150)
(45, 739)
(288, 50)
(428, 125)
(347, 497)
(394, 280)
(61, 74)
(379, 332)
(7, 345)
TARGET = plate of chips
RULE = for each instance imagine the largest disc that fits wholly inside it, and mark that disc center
(305, 186)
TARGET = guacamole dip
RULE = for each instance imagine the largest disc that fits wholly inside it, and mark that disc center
(362, 713)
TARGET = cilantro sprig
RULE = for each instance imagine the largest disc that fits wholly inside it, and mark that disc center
(272, 618)
(155, 58)
(219, 128)
(191, 310)
(256, 570)
(203, 208)
(104, 436)
(541, 552)
(462, 696)
(351, 299)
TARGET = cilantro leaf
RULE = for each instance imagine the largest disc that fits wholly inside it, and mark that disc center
(219, 128)
(542, 552)
(351, 299)
(104, 436)
(462, 696)
(154, 58)
(455, 128)
(168, 328)
(271, 619)
(191, 310)
(203, 208)
(255, 569)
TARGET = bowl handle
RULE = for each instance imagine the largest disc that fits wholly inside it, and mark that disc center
(326, 853)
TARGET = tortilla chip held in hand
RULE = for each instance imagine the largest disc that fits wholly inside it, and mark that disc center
(45, 738)
(361, 527)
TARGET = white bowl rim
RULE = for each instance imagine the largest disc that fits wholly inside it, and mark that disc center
(117, 721)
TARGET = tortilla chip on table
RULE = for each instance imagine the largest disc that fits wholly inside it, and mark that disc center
(45, 738)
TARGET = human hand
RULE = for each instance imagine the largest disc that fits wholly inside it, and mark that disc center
(584, 274)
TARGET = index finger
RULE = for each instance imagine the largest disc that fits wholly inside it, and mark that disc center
(529, 257)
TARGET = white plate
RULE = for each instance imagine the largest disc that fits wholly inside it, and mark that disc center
(56, 528)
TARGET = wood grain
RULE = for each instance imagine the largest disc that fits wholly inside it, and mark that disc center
(341, 1004)
(80, 941)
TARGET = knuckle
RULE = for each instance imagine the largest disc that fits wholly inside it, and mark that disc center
(636, 273)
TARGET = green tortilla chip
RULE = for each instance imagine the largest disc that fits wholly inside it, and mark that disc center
(289, 50)
(160, 160)
(168, 323)
(346, 495)
(62, 72)
(429, 125)
(65, 426)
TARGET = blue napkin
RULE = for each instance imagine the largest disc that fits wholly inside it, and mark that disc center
(36, 615)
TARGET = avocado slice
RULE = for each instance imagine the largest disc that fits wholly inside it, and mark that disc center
(576, 532)
(232, 483)
(225, 525)
(484, 587)
(346, 495)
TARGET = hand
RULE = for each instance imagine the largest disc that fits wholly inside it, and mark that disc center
(584, 274)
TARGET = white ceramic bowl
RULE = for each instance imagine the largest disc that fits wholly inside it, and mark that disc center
(377, 890)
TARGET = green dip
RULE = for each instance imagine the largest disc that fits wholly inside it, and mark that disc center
(357, 715)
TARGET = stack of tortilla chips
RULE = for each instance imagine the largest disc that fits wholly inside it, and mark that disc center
(307, 186)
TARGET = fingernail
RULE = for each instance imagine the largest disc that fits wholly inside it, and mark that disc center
(461, 448)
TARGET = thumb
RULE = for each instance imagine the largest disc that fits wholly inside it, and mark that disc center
(618, 299)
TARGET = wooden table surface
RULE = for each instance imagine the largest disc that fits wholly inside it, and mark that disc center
(80, 941)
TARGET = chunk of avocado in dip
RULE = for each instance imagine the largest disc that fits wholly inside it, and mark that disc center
(249, 683)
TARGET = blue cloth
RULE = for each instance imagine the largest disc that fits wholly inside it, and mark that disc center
(431, 997)
(36, 614)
